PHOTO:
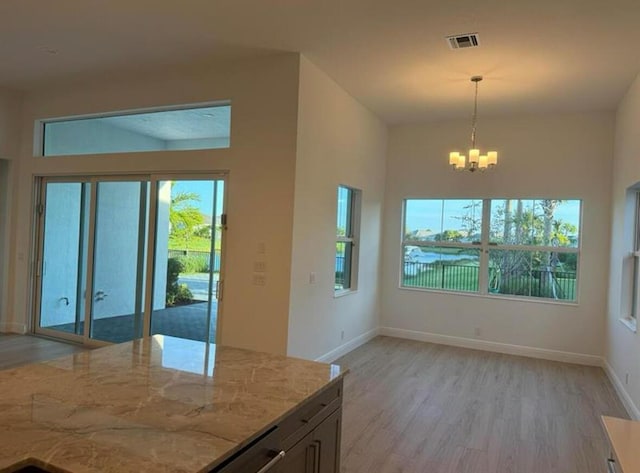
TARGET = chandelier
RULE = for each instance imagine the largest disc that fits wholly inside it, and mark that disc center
(476, 160)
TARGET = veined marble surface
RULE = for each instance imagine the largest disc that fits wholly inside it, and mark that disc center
(159, 404)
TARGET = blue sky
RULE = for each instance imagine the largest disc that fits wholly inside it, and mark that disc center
(205, 190)
(428, 214)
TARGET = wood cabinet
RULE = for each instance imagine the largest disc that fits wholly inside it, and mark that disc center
(318, 451)
(624, 438)
(306, 441)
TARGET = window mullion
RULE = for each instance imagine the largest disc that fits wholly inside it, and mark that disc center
(447, 244)
(483, 271)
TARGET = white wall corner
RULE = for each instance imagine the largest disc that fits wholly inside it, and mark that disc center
(348, 347)
(13, 328)
(497, 347)
(624, 396)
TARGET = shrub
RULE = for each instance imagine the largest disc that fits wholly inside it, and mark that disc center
(176, 293)
(194, 264)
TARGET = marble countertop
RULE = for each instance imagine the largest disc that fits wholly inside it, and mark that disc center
(159, 404)
(624, 436)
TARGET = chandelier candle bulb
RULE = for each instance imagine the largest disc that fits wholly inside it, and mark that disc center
(492, 158)
(454, 158)
(474, 156)
(461, 162)
(482, 162)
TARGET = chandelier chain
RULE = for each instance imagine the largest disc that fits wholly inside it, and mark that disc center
(474, 118)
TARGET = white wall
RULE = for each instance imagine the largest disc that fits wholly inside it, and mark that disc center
(4, 227)
(623, 346)
(10, 119)
(339, 142)
(10, 107)
(559, 156)
(162, 245)
(261, 164)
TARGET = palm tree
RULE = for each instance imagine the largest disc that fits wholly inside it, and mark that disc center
(184, 217)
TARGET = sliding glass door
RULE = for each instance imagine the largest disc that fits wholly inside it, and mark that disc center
(62, 268)
(119, 255)
(97, 279)
(188, 258)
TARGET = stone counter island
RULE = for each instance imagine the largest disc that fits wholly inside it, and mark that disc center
(165, 404)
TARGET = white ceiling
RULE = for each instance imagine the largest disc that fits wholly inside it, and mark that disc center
(536, 56)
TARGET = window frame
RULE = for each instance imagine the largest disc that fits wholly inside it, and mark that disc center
(632, 317)
(485, 246)
(351, 238)
(476, 245)
(40, 124)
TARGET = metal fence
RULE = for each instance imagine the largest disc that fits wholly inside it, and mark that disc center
(441, 276)
(534, 282)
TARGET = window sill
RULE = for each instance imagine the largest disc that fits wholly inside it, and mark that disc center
(536, 300)
(343, 292)
(630, 323)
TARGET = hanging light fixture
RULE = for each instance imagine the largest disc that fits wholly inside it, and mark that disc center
(476, 160)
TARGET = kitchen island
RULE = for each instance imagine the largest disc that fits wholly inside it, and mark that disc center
(165, 404)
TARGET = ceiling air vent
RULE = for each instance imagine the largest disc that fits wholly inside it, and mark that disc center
(461, 41)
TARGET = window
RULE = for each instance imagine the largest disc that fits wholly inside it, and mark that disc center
(441, 239)
(632, 316)
(347, 232)
(180, 129)
(509, 247)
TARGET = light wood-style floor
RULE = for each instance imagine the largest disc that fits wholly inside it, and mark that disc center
(415, 407)
(412, 407)
(16, 350)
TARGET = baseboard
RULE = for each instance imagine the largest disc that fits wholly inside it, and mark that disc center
(521, 350)
(628, 403)
(13, 328)
(349, 346)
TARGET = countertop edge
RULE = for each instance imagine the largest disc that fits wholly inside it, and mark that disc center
(228, 454)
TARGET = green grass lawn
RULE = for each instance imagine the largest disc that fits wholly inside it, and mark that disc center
(194, 243)
(465, 278)
(453, 278)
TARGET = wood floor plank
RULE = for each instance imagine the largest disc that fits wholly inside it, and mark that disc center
(419, 407)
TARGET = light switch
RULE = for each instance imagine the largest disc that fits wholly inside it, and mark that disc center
(312, 278)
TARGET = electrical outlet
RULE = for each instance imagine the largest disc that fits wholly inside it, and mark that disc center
(342, 335)
(477, 332)
(626, 378)
(259, 279)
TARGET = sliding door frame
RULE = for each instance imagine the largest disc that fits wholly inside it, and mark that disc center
(152, 179)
